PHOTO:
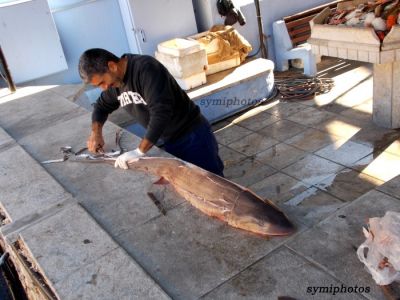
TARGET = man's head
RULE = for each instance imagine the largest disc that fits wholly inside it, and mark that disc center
(101, 68)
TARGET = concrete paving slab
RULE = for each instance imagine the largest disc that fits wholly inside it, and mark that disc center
(280, 156)
(311, 116)
(65, 242)
(113, 276)
(5, 139)
(311, 140)
(253, 143)
(11, 230)
(254, 120)
(252, 112)
(279, 187)
(282, 130)
(355, 96)
(311, 206)
(283, 110)
(29, 114)
(189, 253)
(391, 187)
(348, 184)
(341, 126)
(219, 125)
(393, 147)
(345, 152)
(26, 187)
(383, 166)
(248, 172)
(116, 198)
(347, 76)
(375, 137)
(333, 242)
(6, 95)
(283, 273)
(80, 260)
(230, 134)
(358, 94)
(361, 112)
(230, 157)
(67, 91)
(334, 107)
(312, 169)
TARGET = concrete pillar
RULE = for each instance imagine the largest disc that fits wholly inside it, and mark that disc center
(386, 98)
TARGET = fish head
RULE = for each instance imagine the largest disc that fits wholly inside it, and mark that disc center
(260, 216)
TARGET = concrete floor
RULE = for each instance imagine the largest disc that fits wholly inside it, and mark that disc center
(323, 161)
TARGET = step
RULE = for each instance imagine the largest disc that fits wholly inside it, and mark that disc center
(26, 188)
(73, 257)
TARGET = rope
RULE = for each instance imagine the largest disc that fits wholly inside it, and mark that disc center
(294, 88)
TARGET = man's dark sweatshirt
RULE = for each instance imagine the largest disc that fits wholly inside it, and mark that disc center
(152, 95)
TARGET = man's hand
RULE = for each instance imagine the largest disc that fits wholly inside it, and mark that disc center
(123, 160)
(95, 142)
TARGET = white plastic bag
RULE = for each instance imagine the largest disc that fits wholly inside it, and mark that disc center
(381, 251)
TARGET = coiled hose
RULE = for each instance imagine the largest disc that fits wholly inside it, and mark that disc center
(298, 88)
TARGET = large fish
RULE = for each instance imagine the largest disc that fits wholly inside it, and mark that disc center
(213, 195)
(218, 197)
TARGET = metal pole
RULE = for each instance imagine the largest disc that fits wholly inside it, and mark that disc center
(264, 53)
(10, 82)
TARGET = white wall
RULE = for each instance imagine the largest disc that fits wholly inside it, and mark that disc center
(84, 24)
(271, 10)
(30, 41)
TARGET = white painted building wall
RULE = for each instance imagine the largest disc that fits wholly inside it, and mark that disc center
(84, 24)
(271, 10)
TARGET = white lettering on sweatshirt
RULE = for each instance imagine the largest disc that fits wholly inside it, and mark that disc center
(131, 98)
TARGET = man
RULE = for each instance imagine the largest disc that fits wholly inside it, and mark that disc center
(144, 87)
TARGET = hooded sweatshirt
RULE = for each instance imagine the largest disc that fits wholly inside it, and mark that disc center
(152, 95)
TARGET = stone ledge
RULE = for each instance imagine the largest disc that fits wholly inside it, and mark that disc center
(75, 257)
(26, 188)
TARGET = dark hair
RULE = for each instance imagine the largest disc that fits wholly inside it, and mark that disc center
(95, 61)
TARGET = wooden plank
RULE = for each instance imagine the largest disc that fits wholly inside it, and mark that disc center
(311, 11)
(299, 22)
(299, 31)
(298, 25)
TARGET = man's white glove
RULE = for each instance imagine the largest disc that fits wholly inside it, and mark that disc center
(123, 159)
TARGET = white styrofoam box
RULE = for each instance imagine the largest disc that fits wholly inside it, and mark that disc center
(184, 66)
(178, 47)
(192, 81)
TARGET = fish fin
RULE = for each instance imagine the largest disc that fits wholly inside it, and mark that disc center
(162, 180)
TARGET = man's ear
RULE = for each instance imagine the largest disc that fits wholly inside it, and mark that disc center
(112, 66)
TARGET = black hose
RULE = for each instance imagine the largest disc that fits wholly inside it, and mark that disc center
(302, 88)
